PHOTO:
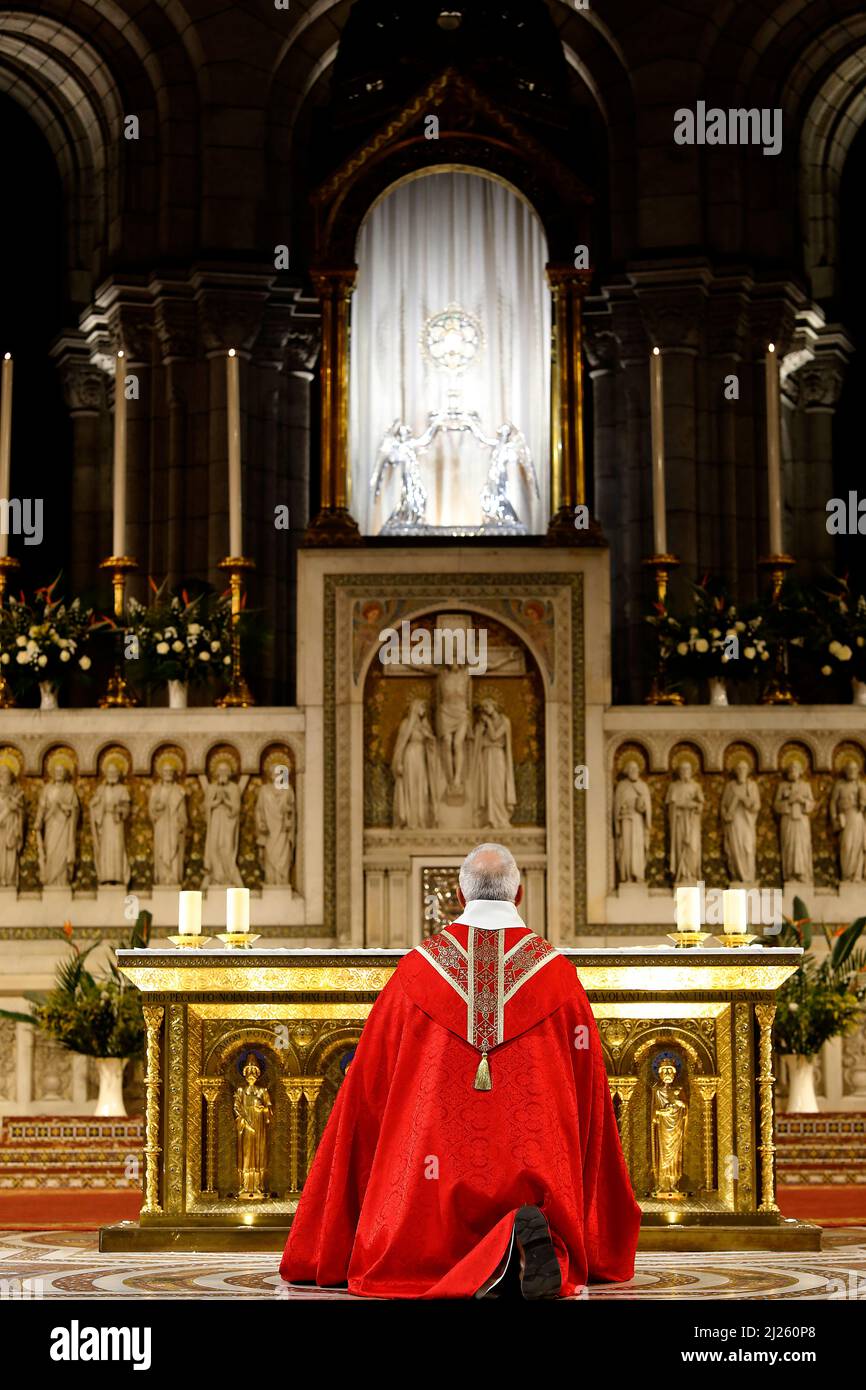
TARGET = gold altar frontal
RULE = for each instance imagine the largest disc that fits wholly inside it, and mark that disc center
(246, 1050)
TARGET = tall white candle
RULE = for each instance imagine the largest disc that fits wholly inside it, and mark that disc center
(119, 531)
(233, 409)
(189, 913)
(237, 909)
(734, 909)
(5, 440)
(689, 908)
(774, 450)
(657, 417)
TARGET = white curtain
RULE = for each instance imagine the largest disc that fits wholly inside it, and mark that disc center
(450, 238)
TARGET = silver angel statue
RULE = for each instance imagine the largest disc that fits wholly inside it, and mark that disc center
(509, 453)
(399, 451)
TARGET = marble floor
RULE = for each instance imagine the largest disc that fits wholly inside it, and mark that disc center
(67, 1264)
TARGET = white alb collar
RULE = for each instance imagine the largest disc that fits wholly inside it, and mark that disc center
(493, 915)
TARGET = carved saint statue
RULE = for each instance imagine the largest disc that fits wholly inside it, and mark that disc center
(741, 802)
(670, 1112)
(847, 805)
(492, 775)
(109, 812)
(222, 804)
(685, 803)
(167, 810)
(399, 453)
(416, 771)
(253, 1114)
(632, 818)
(11, 826)
(56, 824)
(794, 804)
(275, 830)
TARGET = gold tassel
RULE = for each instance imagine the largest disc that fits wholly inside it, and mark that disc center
(482, 1076)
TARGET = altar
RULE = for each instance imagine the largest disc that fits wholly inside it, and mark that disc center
(270, 1032)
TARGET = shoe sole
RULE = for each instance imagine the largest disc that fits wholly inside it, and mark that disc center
(540, 1275)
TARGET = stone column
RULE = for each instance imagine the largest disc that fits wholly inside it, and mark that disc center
(818, 385)
(89, 522)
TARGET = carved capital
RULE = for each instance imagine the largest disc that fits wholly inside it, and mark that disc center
(83, 383)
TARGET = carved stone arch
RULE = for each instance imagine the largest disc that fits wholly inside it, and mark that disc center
(474, 135)
(431, 607)
(619, 751)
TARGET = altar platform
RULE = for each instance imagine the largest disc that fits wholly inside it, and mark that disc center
(299, 1014)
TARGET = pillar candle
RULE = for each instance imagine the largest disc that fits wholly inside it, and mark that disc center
(237, 909)
(734, 909)
(233, 410)
(189, 914)
(657, 416)
(774, 450)
(118, 542)
(689, 908)
(5, 440)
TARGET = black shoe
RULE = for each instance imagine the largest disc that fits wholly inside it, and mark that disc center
(540, 1275)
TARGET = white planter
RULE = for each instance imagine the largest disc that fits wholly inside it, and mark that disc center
(859, 689)
(177, 694)
(110, 1099)
(48, 695)
(802, 1099)
(718, 691)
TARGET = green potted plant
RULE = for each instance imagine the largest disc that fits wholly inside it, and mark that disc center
(820, 1001)
(98, 1017)
(43, 642)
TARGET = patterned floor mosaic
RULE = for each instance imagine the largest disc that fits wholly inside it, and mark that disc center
(67, 1264)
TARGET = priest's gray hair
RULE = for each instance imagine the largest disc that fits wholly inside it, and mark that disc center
(489, 871)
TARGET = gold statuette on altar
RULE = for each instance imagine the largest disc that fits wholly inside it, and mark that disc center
(670, 1112)
(253, 1113)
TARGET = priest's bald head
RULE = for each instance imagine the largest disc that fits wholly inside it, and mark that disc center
(489, 872)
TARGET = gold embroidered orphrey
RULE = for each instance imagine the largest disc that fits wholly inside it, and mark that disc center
(486, 976)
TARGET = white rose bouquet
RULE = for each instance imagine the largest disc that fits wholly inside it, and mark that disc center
(46, 640)
(176, 637)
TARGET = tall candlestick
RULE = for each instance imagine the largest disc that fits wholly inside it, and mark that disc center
(237, 909)
(657, 416)
(774, 449)
(119, 530)
(689, 908)
(189, 913)
(5, 442)
(734, 909)
(233, 409)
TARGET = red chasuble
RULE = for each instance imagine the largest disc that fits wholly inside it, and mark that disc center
(421, 1170)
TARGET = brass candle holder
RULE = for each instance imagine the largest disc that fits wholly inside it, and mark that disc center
(238, 695)
(238, 940)
(119, 694)
(7, 565)
(777, 691)
(734, 938)
(189, 941)
(687, 939)
(659, 693)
